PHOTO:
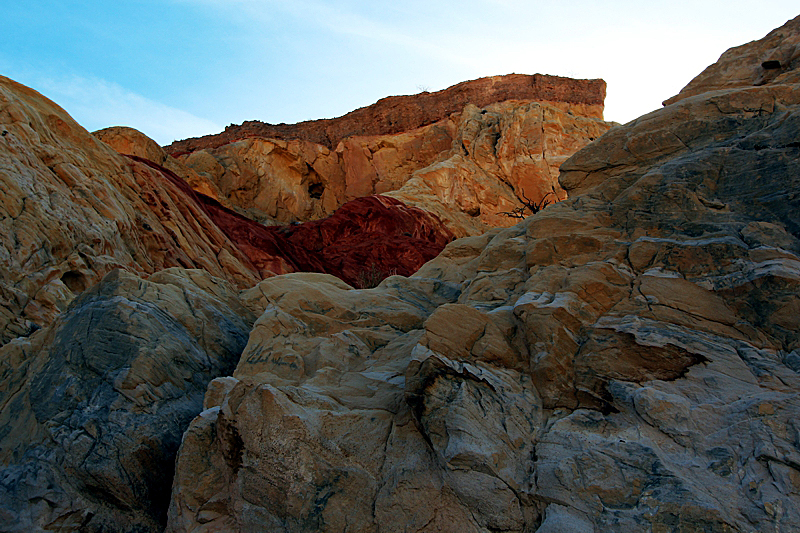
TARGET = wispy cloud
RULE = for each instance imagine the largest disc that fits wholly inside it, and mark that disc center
(96, 103)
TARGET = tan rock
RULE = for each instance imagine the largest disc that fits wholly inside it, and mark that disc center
(73, 210)
(772, 60)
(128, 141)
(624, 360)
(474, 169)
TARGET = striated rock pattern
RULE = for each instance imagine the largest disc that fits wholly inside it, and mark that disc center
(93, 407)
(128, 141)
(72, 209)
(397, 114)
(625, 360)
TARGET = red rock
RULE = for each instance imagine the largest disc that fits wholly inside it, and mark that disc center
(363, 242)
(396, 114)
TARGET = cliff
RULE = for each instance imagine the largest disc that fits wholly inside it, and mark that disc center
(396, 114)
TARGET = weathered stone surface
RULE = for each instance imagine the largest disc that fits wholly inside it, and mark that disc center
(773, 60)
(503, 156)
(625, 360)
(397, 114)
(472, 169)
(128, 141)
(72, 209)
(93, 407)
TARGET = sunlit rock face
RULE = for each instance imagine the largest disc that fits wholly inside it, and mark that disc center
(72, 209)
(625, 360)
(471, 154)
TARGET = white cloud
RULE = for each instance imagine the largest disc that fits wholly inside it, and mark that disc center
(96, 103)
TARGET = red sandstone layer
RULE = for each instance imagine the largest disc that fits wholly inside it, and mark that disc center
(396, 114)
(363, 242)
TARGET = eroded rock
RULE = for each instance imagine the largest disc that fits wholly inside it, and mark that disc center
(94, 406)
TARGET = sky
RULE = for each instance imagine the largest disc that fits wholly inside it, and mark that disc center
(183, 68)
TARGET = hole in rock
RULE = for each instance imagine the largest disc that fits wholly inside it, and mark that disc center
(771, 64)
(315, 190)
(75, 281)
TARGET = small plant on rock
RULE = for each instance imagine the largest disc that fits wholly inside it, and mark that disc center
(529, 205)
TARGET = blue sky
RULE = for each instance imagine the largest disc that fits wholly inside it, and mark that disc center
(181, 68)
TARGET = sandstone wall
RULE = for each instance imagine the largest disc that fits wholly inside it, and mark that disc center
(468, 168)
(397, 114)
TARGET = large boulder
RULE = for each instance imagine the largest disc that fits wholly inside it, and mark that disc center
(94, 406)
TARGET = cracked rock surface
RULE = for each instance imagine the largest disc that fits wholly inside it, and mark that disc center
(93, 407)
(625, 360)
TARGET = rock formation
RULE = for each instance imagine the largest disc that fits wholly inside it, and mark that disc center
(72, 210)
(467, 154)
(397, 114)
(627, 359)
(93, 407)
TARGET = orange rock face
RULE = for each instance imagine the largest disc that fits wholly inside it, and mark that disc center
(396, 114)
(472, 168)
(72, 209)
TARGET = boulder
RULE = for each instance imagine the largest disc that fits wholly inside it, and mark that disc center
(94, 406)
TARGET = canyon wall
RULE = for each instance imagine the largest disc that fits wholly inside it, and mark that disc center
(626, 359)
(396, 114)
(473, 154)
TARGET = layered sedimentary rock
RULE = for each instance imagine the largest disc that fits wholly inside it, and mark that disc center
(397, 114)
(364, 241)
(128, 141)
(496, 142)
(72, 209)
(625, 360)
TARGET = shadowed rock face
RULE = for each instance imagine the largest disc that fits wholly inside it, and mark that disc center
(396, 114)
(93, 408)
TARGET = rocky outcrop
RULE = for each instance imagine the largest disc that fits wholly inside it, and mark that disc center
(128, 141)
(93, 407)
(72, 210)
(472, 169)
(504, 158)
(361, 243)
(625, 360)
(773, 60)
(397, 114)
